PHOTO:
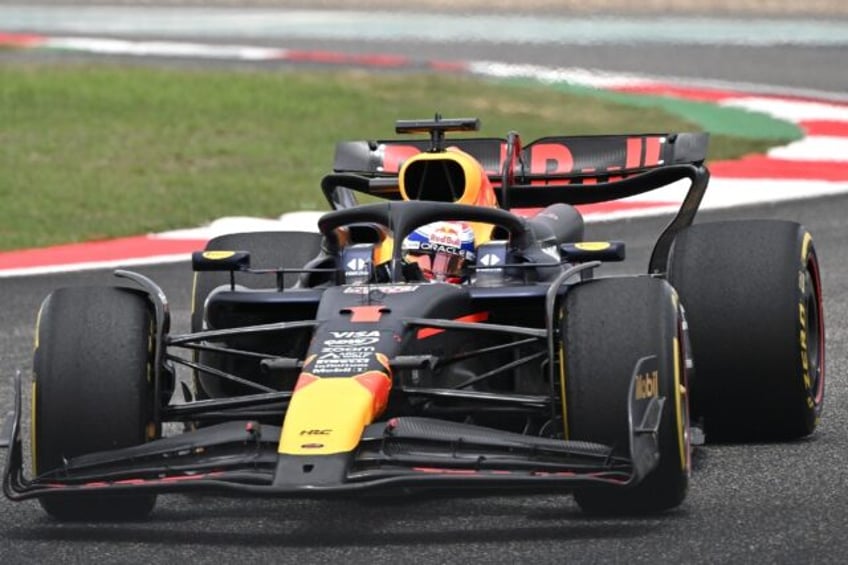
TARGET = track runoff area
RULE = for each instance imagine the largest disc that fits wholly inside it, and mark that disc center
(815, 165)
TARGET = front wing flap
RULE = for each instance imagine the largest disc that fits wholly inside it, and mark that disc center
(408, 452)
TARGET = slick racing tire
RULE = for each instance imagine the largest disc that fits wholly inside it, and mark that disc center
(92, 390)
(752, 294)
(608, 326)
(273, 249)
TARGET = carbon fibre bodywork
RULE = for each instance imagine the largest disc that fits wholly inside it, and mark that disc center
(363, 376)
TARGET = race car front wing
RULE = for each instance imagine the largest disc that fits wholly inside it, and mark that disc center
(241, 457)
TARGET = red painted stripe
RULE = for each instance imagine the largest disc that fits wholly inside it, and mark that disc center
(652, 151)
(305, 379)
(714, 95)
(379, 385)
(339, 58)
(114, 250)
(633, 157)
(448, 66)
(620, 206)
(589, 180)
(698, 94)
(604, 207)
(762, 167)
(366, 314)
(477, 317)
(795, 98)
(181, 478)
(445, 471)
(824, 127)
(21, 40)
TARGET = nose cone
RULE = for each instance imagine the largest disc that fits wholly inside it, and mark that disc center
(327, 414)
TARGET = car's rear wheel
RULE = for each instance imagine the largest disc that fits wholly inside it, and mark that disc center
(752, 293)
(608, 326)
(93, 390)
(270, 250)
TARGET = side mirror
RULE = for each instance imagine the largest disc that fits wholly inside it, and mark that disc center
(220, 260)
(584, 251)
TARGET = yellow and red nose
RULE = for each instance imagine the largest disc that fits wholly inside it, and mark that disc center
(327, 415)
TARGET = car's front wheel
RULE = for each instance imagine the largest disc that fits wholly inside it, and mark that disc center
(608, 326)
(92, 390)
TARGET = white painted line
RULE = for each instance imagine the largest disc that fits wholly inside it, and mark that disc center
(93, 265)
(814, 148)
(292, 221)
(164, 49)
(572, 75)
(791, 110)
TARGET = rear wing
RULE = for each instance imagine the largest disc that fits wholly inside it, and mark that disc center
(562, 169)
(569, 169)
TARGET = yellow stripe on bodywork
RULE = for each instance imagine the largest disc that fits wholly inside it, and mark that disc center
(383, 251)
(563, 393)
(679, 391)
(32, 430)
(326, 416)
(193, 294)
(218, 255)
(592, 245)
(33, 419)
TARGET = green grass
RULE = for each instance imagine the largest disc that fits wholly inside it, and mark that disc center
(90, 152)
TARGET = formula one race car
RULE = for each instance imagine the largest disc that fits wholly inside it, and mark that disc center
(436, 339)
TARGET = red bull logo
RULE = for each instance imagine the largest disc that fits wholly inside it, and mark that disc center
(446, 235)
(451, 234)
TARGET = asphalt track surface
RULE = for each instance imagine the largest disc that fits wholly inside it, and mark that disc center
(771, 503)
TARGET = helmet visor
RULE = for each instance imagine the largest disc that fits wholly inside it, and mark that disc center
(441, 266)
(447, 265)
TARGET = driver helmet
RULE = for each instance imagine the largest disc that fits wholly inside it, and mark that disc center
(441, 249)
